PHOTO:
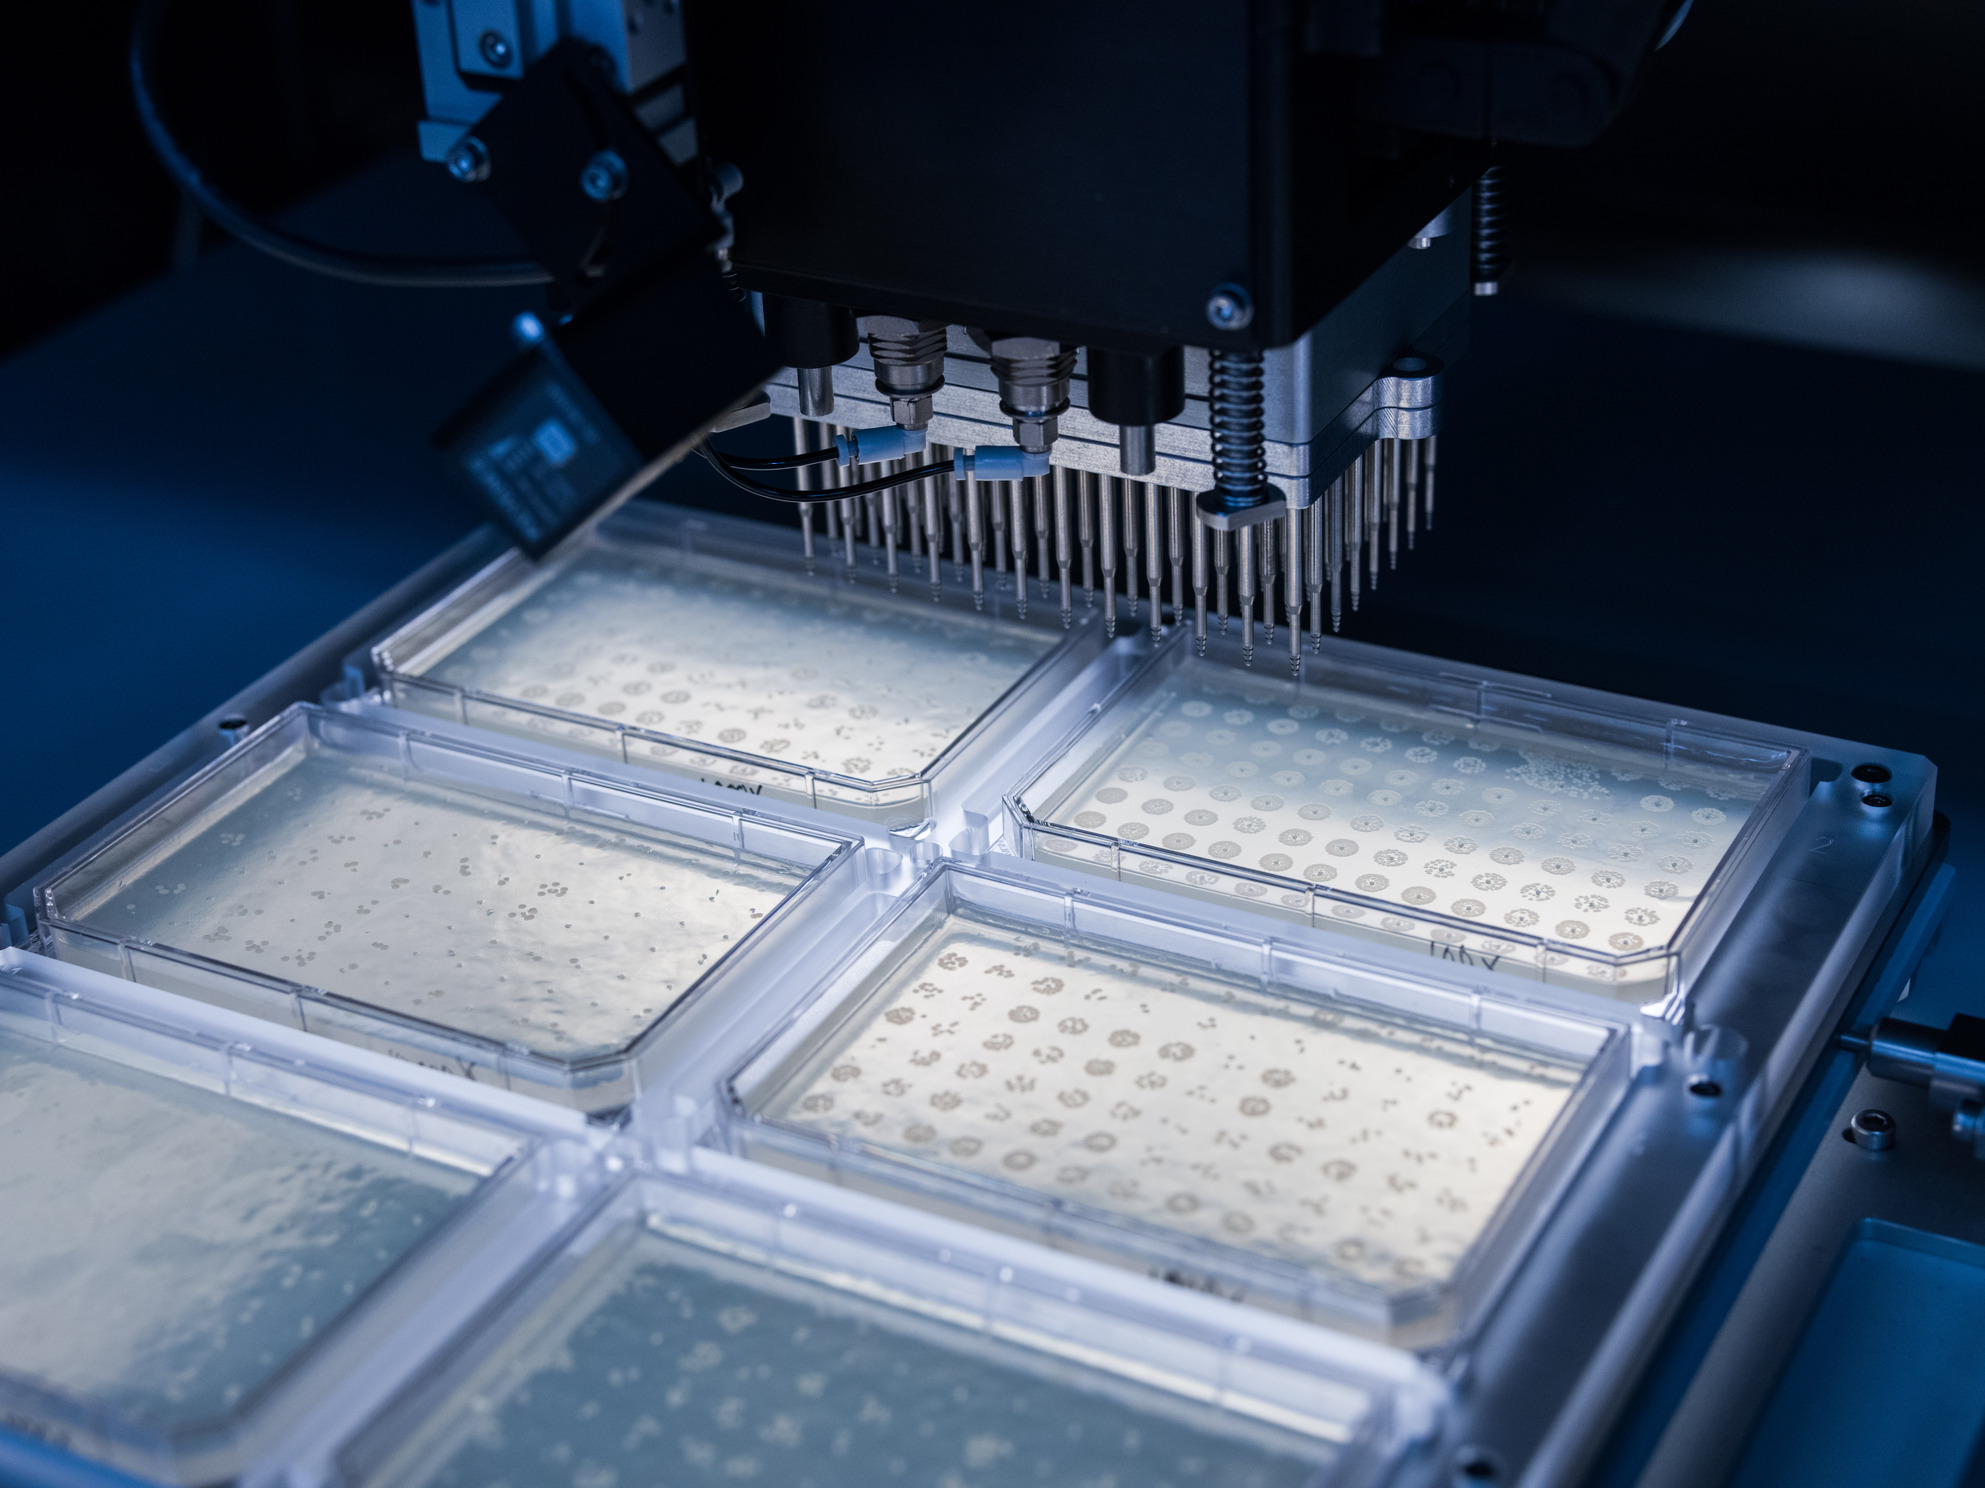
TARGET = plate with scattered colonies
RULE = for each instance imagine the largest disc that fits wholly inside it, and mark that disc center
(187, 1222)
(664, 1361)
(1329, 1153)
(511, 922)
(1554, 850)
(689, 657)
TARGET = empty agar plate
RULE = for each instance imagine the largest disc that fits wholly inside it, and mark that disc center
(1546, 849)
(665, 652)
(442, 899)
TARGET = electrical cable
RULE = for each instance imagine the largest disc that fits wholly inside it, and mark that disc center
(783, 462)
(817, 498)
(392, 270)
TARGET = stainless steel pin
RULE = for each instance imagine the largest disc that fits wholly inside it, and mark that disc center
(803, 442)
(1333, 550)
(1133, 492)
(1411, 449)
(1315, 521)
(1427, 478)
(1269, 545)
(1062, 476)
(1106, 545)
(1244, 560)
(996, 500)
(1154, 560)
(913, 518)
(1198, 582)
(1292, 595)
(935, 538)
(1220, 576)
(1085, 499)
(889, 524)
(1389, 460)
(1016, 495)
(975, 539)
(1042, 486)
(1354, 528)
(955, 510)
(1175, 525)
(1374, 530)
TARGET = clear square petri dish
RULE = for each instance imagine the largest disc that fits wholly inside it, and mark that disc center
(688, 1339)
(701, 646)
(1211, 1107)
(473, 910)
(1473, 822)
(199, 1238)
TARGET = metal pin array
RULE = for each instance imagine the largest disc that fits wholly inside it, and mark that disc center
(1047, 531)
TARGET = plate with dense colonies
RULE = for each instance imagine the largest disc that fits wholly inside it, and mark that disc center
(1554, 851)
(540, 940)
(1335, 1152)
(679, 656)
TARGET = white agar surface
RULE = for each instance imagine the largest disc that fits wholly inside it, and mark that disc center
(1340, 1143)
(164, 1250)
(1546, 839)
(454, 907)
(677, 1372)
(813, 675)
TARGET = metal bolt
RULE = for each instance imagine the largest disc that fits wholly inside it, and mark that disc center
(468, 160)
(605, 177)
(1871, 1130)
(1229, 308)
(495, 48)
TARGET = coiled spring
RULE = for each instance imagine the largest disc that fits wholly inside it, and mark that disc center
(1234, 412)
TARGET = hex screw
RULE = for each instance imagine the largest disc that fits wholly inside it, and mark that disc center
(495, 48)
(1871, 1130)
(468, 160)
(1228, 308)
(605, 177)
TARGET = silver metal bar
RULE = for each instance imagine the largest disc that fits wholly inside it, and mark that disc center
(1292, 578)
(1199, 583)
(1086, 498)
(1063, 477)
(1374, 532)
(1427, 477)
(1154, 560)
(1354, 528)
(1244, 560)
(889, 523)
(1411, 450)
(1315, 521)
(1040, 486)
(1106, 544)
(975, 537)
(1270, 546)
(1220, 575)
(1389, 460)
(955, 509)
(1333, 549)
(1175, 523)
(802, 442)
(934, 535)
(1133, 492)
(1016, 496)
(996, 500)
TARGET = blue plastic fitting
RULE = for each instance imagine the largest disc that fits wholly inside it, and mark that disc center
(872, 446)
(1001, 463)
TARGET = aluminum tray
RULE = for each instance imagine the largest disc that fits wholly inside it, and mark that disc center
(706, 646)
(1211, 1106)
(473, 909)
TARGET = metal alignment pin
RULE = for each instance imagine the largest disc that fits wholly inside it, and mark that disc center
(1132, 499)
(934, 536)
(1086, 515)
(1269, 546)
(1199, 584)
(1427, 477)
(1389, 458)
(1412, 449)
(975, 536)
(1176, 524)
(888, 504)
(1016, 495)
(1041, 486)
(954, 505)
(1063, 477)
(802, 443)
(1316, 521)
(1220, 576)
(1106, 545)
(996, 500)
(1292, 598)
(1333, 550)
(1244, 560)
(1374, 528)
(1354, 529)
(1154, 560)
